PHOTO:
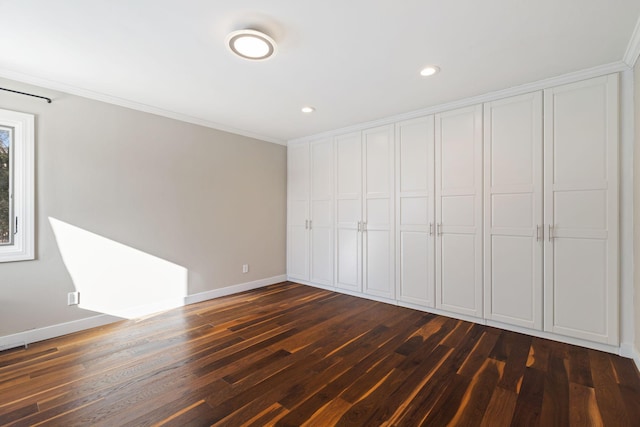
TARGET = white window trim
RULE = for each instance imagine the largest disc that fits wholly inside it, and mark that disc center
(23, 169)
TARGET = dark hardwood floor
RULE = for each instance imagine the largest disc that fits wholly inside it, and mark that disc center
(294, 355)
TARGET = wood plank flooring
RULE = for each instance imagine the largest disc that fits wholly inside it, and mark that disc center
(292, 355)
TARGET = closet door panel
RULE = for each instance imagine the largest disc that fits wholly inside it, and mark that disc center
(378, 263)
(322, 170)
(322, 258)
(513, 280)
(298, 241)
(321, 205)
(581, 210)
(513, 210)
(415, 212)
(458, 273)
(458, 168)
(377, 234)
(415, 274)
(348, 197)
(457, 159)
(298, 211)
(298, 171)
(348, 266)
(580, 284)
(415, 204)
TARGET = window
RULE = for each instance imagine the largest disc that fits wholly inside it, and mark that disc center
(16, 186)
(6, 234)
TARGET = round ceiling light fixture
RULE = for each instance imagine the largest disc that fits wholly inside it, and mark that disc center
(429, 71)
(308, 109)
(251, 44)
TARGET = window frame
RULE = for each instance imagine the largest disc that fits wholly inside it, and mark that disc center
(23, 183)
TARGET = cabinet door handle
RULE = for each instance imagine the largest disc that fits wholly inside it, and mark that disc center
(306, 224)
(539, 232)
(439, 231)
(430, 229)
(310, 224)
(364, 227)
(359, 227)
(550, 232)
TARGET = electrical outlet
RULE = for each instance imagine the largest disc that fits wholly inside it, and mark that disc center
(73, 298)
(245, 268)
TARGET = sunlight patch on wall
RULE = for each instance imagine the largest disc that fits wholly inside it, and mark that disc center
(116, 279)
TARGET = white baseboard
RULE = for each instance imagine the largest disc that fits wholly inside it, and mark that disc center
(628, 350)
(34, 335)
(27, 337)
(234, 289)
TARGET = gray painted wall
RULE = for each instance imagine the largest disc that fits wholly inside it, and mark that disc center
(198, 197)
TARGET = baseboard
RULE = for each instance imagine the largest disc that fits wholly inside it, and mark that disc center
(607, 348)
(34, 335)
(628, 350)
(441, 312)
(234, 289)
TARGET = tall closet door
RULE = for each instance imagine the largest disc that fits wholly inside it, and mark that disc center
(581, 209)
(378, 223)
(459, 211)
(298, 211)
(321, 206)
(348, 267)
(415, 212)
(513, 210)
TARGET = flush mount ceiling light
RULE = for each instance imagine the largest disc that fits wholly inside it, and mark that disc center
(429, 71)
(308, 110)
(251, 44)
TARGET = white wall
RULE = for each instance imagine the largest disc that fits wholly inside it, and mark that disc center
(636, 202)
(203, 199)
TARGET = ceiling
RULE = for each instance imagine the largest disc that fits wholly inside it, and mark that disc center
(354, 61)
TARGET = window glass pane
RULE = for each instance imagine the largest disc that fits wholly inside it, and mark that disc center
(6, 234)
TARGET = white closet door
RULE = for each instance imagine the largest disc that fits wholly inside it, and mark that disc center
(415, 215)
(348, 267)
(459, 211)
(581, 209)
(513, 210)
(378, 237)
(321, 205)
(298, 211)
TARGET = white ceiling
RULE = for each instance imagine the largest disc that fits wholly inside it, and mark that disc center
(354, 60)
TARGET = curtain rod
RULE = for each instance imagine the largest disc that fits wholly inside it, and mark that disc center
(28, 94)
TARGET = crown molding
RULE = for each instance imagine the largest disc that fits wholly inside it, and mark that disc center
(85, 93)
(633, 48)
(588, 73)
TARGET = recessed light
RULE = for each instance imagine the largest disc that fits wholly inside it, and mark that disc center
(251, 44)
(429, 71)
(308, 109)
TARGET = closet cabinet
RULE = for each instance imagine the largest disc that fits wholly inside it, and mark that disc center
(513, 222)
(310, 207)
(364, 212)
(458, 197)
(506, 212)
(581, 209)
